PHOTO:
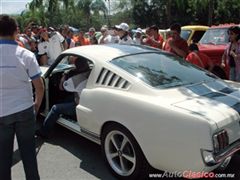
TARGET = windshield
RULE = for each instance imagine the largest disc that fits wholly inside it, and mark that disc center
(215, 36)
(63, 65)
(162, 70)
(185, 34)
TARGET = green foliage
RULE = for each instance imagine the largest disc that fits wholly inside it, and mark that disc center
(138, 13)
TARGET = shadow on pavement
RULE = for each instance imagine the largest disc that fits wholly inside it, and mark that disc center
(16, 153)
(86, 151)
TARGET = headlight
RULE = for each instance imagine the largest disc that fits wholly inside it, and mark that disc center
(220, 141)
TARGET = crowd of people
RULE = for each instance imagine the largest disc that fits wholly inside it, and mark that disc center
(22, 53)
(48, 43)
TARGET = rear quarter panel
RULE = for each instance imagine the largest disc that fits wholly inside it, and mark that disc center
(170, 138)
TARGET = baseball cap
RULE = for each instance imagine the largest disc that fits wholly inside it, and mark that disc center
(122, 26)
(139, 30)
(92, 29)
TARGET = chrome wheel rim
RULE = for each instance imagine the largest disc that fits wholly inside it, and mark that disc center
(120, 153)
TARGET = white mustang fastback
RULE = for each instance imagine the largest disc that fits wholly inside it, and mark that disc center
(148, 108)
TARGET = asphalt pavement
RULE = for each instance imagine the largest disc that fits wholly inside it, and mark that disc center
(68, 156)
(65, 156)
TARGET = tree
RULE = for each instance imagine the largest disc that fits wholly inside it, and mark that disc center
(88, 6)
(137, 13)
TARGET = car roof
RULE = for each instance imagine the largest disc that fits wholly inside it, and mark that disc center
(195, 27)
(224, 26)
(108, 52)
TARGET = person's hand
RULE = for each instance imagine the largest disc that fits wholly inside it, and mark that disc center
(222, 65)
(144, 40)
(233, 54)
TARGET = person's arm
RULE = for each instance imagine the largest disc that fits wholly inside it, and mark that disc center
(234, 54)
(39, 92)
(224, 58)
(42, 52)
(43, 60)
(61, 82)
(65, 45)
(157, 43)
(62, 40)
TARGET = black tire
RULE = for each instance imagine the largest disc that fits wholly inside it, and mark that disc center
(137, 168)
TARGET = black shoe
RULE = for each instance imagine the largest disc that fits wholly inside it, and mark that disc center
(41, 134)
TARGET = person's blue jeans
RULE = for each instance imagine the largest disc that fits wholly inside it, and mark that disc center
(23, 125)
(68, 109)
(232, 74)
(238, 77)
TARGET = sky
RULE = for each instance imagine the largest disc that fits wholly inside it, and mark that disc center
(13, 6)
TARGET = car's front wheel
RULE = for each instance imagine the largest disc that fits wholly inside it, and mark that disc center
(122, 153)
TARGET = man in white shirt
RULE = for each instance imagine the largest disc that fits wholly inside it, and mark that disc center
(50, 47)
(18, 68)
(105, 38)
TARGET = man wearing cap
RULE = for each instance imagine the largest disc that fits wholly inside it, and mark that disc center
(124, 37)
(138, 37)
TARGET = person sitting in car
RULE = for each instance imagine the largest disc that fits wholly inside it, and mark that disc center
(73, 81)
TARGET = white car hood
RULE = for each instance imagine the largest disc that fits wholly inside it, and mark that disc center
(214, 101)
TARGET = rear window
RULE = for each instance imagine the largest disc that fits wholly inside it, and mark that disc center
(162, 70)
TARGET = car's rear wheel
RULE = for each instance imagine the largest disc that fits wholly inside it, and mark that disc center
(122, 153)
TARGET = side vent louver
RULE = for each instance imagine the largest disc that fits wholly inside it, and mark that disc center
(108, 78)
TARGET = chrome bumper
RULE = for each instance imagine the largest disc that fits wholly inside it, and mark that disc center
(211, 159)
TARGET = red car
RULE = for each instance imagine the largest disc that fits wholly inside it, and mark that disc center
(213, 44)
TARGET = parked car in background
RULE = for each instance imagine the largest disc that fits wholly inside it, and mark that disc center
(146, 107)
(213, 43)
(193, 33)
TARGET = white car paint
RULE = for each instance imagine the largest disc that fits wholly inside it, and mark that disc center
(171, 126)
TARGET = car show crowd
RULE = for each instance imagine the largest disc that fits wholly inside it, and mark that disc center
(48, 42)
